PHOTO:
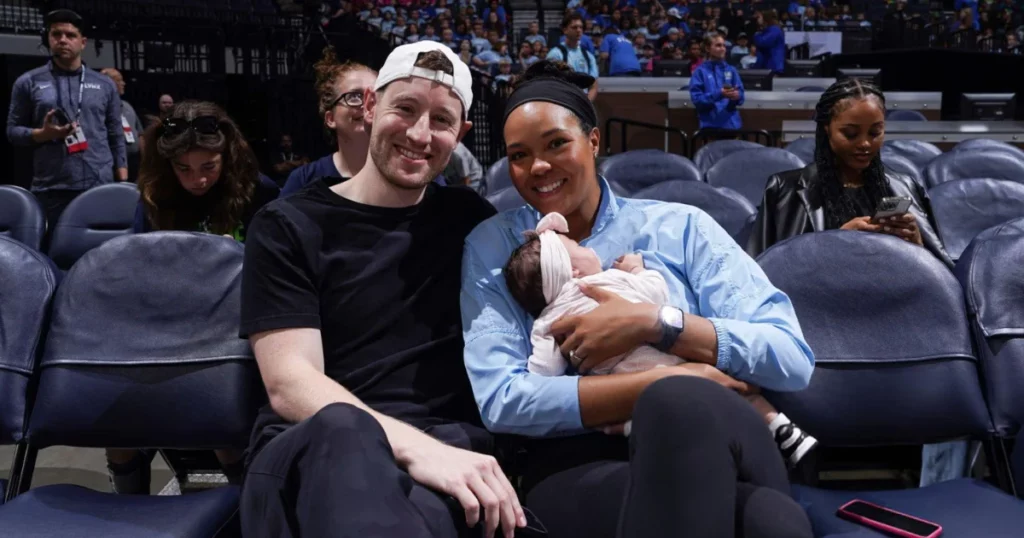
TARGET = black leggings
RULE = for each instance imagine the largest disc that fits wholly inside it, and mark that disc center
(701, 463)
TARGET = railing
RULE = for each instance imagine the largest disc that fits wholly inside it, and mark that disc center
(625, 123)
(705, 136)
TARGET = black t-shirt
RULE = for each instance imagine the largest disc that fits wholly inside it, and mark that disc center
(862, 204)
(382, 285)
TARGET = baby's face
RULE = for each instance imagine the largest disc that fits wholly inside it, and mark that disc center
(584, 260)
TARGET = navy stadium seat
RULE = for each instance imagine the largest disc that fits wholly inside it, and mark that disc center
(987, 144)
(894, 365)
(26, 289)
(803, 148)
(97, 215)
(918, 152)
(505, 199)
(142, 351)
(497, 177)
(747, 172)
(639, 169)
(712, 152)
(963, 208)
(729, 208)
(972, 164)
(902, 165)
(991, 272)
(811, 89)
(21, 217)
(905, 115)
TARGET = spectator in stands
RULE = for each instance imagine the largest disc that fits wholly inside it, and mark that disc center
(340, 88)
(70, 116)
(479, 40)
(573, 54)
(164, 105)
(130, 123)
(284, 161)
(464, 169)
(349, 301)
(466, 52)
(540, 50)
(488, 58)
(846, 182)
(618, 52)
(448, 39)
(715, 88)
(739, 50)
(199, 174)
(526, 56)
(694, 55)
(699, 460)
(494, 24)
(533, 34)
(770, 42)
(412, 34)
(429, 34)
(750, 60)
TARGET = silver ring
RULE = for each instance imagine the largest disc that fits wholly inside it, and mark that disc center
(575, 359)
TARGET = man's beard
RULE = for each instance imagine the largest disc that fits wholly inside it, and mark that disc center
(384, 155)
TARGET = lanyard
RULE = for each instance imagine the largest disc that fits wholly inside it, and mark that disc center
(81, 89)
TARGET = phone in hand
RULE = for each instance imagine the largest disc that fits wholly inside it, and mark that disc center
(888, 521)
(60, 118)
(892, 206)
(727, 86)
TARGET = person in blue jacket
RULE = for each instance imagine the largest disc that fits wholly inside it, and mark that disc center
(770, 41)
(715, 87)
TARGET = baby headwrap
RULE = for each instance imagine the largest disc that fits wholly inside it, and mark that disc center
(555, 266)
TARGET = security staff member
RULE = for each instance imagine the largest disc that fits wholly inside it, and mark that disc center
(71, 116)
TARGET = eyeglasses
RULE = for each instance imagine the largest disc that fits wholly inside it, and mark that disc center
(206, 125)
(352, 99)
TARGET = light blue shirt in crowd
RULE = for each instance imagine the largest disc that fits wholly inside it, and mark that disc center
(576, 60)
(708, 274)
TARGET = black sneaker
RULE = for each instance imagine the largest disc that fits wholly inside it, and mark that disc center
(794, 443)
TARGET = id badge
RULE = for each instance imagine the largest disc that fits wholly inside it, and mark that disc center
(129, 136)
(76, 141)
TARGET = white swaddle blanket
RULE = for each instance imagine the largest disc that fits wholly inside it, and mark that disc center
(645, 287)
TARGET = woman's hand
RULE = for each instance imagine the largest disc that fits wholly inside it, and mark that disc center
(861, 224)
(903, 226)
(615, 327)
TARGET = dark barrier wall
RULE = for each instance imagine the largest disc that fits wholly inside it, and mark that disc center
(953, 71)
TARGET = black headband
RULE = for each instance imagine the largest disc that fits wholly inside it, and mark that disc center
(557, 91)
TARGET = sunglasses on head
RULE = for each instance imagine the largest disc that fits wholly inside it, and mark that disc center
(201, 124)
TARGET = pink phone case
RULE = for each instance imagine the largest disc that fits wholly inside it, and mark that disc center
(886, 528)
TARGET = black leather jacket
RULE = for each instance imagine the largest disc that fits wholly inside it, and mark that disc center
(790, 208)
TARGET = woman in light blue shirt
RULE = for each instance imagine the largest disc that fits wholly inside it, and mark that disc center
(699, 461)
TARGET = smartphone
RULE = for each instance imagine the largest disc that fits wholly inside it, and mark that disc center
(888, 521)
(891, 206)
(60, 118)
(726, 86)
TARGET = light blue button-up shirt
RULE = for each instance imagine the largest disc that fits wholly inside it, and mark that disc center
(708, 274)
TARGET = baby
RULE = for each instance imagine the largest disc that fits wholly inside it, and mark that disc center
(543, 275)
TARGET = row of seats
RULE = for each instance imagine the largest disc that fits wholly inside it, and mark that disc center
(961, 208)
(137, 347)
(924, 162)
(98, 214)
(909, 353)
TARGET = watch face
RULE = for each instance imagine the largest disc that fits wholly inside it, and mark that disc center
(671, 316)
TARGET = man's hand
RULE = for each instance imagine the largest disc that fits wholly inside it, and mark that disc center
(615, 327)
(630, 263)
(50, 131)
(475, 480)
(732, 94)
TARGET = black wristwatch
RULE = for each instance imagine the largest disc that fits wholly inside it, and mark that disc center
(672, 322)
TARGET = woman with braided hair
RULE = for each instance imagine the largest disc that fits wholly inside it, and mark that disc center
(844, 185)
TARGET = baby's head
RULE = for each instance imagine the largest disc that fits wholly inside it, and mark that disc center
(523, 274)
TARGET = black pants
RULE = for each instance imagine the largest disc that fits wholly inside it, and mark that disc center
(334, 475)
(54, 202)
(699, 462)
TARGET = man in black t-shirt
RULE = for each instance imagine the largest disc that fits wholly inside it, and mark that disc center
(350, 298)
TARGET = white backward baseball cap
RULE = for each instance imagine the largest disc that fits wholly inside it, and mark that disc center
(401, 63)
